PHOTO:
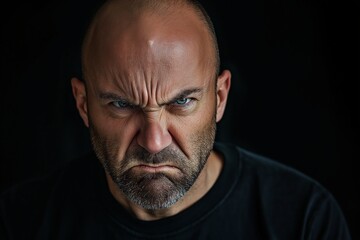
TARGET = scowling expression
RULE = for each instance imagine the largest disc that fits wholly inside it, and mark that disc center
(151, 99)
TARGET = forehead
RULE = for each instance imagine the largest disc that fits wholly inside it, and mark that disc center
(159, 70)
(145, 50)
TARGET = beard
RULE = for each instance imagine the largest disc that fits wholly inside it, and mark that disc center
(155, 190)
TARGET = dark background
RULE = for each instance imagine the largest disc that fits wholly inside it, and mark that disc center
(294, 93)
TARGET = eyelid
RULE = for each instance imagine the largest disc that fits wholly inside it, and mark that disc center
(121, 101)
(193, 94)
(191, 102)
(188, 100)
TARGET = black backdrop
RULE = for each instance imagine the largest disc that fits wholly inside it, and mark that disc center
(294, 93)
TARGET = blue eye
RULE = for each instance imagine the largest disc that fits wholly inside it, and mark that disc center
(182, 101)
(121, 104)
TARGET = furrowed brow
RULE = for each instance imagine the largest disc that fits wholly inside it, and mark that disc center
(110, 96)
(184, 94)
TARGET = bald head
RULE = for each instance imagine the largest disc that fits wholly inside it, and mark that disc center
(125, 33)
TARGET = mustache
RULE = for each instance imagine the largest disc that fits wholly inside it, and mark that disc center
(167, 155)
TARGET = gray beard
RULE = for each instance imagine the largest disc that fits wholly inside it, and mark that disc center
(154, 191)
(157, 190)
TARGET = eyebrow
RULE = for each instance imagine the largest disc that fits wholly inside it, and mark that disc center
(110, 96)
(182, 94)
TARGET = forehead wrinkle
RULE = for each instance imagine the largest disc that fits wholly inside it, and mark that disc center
(117, 79)
(148, 82)
(122, 16)
(141, 88)
(144, 83)
(149, 86)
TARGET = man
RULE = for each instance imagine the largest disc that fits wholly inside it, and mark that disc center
(151, 95)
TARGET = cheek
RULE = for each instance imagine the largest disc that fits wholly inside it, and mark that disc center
(186, 131)
(117, 133)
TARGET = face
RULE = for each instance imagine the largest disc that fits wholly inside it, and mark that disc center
(155, 180)
(152, 108)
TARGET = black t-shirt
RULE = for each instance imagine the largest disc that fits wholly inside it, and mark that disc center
(253, 198)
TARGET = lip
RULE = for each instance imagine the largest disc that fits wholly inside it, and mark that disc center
(155, 168)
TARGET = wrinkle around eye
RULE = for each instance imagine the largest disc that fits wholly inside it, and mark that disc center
(183, 108)
(182, 101)
(121, 104)
(121, 108)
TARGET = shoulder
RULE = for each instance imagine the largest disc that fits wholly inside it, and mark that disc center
(282, 183)
(286, 196)
(42, 185)
(266, 170)
(70, 175)
(23, 205)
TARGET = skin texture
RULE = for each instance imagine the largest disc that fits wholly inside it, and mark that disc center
(151, 99)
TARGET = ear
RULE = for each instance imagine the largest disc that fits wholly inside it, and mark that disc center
(79, 92)
(222, 92)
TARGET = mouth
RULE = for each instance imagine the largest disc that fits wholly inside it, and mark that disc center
(155, 168)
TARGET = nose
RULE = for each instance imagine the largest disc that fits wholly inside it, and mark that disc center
(153, 136)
